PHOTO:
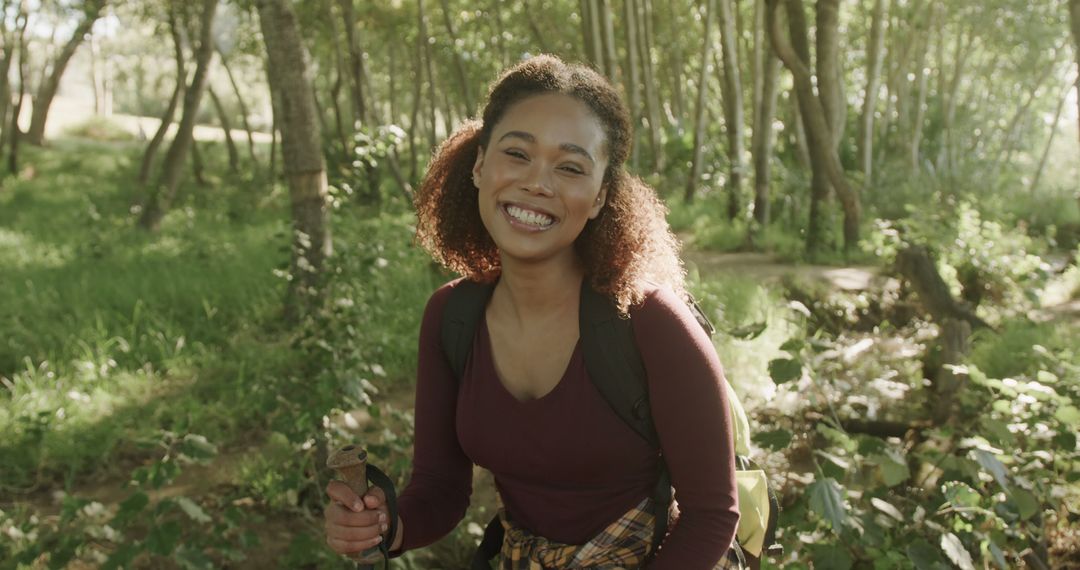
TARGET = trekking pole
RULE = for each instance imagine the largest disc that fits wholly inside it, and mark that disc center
(350, 462)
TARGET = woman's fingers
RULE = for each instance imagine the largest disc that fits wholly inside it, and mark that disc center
(348, 546)
(342, 516)
(375, 498)
(341, 493)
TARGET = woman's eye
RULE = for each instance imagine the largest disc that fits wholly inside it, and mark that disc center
(515, 154)
(572, 169)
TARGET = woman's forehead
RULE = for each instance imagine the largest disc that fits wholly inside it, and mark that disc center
(553, 118)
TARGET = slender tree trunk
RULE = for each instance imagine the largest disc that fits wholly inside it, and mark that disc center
(459, 63)
(244, 108)
(652, 99)
(1049, 141)
(733, 105)
(1012, 130)
(633, 81)
(361, 105)
(429, 68)
(1074, 21)
(50, 85)
(765, 93)
(500, 32)
(825, 157)
(539, 37)
(197, 169)
(830, 74)
(699, 120)
(875, 57)
(414, 119)
(16, 135)
(305, 169)
(160, 199)
(950, 96)
(611, 61)
(922, 75)
(226, 128)
(170, 110)
(802, 145)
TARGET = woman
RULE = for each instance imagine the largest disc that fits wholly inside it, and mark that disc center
(535, 199)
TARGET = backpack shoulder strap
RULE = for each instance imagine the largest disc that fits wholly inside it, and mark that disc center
(462, 314)
(614, 363)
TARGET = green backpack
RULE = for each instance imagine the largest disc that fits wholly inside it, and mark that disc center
(615, 368)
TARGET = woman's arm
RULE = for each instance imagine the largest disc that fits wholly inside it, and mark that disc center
(437, 496)
(690, 409)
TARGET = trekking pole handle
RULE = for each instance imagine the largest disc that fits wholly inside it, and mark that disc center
(350, 463)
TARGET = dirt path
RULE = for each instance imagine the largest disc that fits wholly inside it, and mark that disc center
(768, 269)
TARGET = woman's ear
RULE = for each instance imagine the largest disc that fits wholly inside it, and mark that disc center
(478, 166)
(598, 204)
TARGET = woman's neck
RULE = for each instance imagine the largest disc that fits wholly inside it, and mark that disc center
(529, 292)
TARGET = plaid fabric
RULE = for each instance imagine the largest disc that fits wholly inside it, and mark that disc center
(621, 546)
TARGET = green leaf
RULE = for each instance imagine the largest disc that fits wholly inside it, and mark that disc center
(131, 506)
(894, 469)
(830, 557)
(925, 557)
(887, 508)
(1065, 440)
(961, 495)
(750, 331)
(192, 510)
(992, 464)
(1068, 415)
(838, 437)
(193, 559)
(1026, 503)
(122, 557)
(956, 552)
(827, 500)
(197, 447)
(783, 370)
(998, 432)
(792, 345)
(774, 440)
(162, 539)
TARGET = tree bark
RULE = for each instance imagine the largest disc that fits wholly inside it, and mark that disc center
(361, 105)
(226, 128)
(459, 63)
(1074, 20)
(761, 143)
(170, 110)
(922, 76)
(50, 85)
(830, 74)
(15, 135)
(305, 169)
(161, 197)
(699, 118)
(652, 98)
(733, 105)
(875, 57)
(633, 81)
(949, 98)
(429, 68)
(611, 61)
(823, 148)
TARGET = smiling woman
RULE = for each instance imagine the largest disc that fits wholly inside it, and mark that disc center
(533, 207)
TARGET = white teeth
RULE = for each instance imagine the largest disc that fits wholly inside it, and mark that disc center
(528, 217)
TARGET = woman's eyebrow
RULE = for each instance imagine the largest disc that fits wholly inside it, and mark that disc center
(568, 147)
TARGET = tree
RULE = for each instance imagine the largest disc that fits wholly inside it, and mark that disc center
(46, 91)
(874, 58)
(1074, 19)
(700, 111)
(733, 105)
(164, 190)
(170, 110)
(766, 68)
(825, 161)
(305, 169)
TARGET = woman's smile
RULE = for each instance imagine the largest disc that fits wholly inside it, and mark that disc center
(528, 218)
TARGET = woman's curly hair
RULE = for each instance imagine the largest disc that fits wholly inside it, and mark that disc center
(626, 249)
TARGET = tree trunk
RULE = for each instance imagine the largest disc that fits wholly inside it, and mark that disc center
(244, 108)
(430, 71)
(652, 98)
(699, 119)
(875, 57)
(197, 164)
(611, 61)
(633, 82)
(830, 74)
(459, 63)
(949, 96)
(1049, 141)
(361, 106)
(15, 136)
(226, 128)
(733, 105)
(162, 195)
(414, 154)
(802, 145)
(170, 110)
(305, 169)
(764, 109)
(922, 76)
(50, 85)
(1074, 19)
(538, 36)
(823, 148)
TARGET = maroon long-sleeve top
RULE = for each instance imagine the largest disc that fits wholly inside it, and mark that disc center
(565, 465)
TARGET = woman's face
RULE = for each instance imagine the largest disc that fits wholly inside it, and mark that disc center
(540, 176)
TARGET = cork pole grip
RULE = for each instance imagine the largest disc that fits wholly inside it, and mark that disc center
(350, 462)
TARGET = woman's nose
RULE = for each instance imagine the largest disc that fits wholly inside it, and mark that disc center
(536, 181)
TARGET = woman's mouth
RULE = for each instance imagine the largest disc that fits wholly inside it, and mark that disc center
(528, 219)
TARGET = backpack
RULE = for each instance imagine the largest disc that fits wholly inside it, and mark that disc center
(615, 368)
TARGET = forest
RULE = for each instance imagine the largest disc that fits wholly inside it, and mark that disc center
(209, 278)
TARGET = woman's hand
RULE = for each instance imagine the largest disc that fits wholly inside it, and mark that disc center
(355, 524)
